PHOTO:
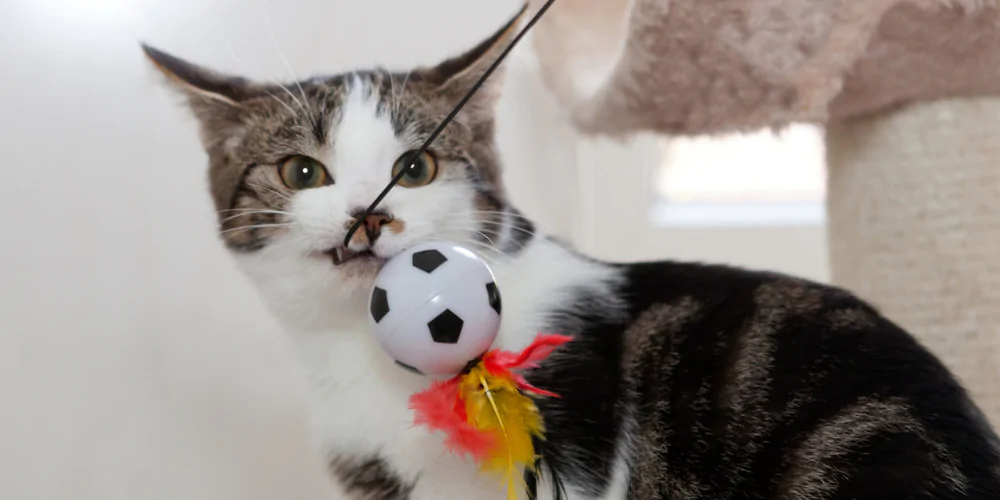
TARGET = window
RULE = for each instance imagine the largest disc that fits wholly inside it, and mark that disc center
(760, 179)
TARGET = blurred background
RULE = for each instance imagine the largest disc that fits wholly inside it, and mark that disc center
(135, 362)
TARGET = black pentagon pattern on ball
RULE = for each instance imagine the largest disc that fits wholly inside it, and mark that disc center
(494, 296)
(379, 306)
(408, 367)
(428, 260)
(446, 328)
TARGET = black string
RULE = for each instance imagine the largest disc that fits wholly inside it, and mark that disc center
(444, 123)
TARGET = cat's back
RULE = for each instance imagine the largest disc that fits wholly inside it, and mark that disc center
(748, 385)
(796, 389)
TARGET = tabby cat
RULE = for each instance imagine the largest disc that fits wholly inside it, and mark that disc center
(684, 381)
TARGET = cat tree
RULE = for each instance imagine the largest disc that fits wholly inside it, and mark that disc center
(908, 92)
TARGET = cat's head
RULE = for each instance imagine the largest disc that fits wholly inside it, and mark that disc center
(292, 166)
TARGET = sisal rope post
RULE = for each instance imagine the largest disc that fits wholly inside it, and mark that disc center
(914, 219)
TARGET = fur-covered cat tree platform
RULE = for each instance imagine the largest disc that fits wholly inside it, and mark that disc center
(908, 90)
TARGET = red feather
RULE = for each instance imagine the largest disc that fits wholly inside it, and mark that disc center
(440, 407)
(501, 363)
(527, 358)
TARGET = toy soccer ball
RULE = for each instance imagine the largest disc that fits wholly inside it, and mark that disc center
(435, 308)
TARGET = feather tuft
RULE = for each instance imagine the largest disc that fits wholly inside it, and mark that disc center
(485, 414)
(441, 408)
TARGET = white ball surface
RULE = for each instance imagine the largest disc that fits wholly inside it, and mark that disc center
(435, 307)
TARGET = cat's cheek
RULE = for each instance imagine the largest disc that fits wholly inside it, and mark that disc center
(321, 216)
(410, 231)
(388, 247)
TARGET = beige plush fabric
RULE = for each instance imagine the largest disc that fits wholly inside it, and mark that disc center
(914, 180)
(915, 227)
(704, 66)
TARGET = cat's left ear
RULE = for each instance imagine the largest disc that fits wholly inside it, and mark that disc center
(215, 98)
(456, 76)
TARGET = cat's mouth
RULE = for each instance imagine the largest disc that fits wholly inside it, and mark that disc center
(343, 255)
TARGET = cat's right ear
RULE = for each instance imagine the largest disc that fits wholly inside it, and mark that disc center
(215, 99)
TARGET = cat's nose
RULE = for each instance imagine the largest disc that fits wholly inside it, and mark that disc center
(373, 223)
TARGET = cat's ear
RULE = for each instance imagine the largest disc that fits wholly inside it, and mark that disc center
(215, 99)
(456, 76)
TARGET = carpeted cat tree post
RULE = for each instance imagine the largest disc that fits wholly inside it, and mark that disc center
(908, 91)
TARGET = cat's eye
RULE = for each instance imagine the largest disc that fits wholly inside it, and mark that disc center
(301, 172)
(421, 169)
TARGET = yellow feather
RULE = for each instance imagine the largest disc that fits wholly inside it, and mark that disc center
(494, 404)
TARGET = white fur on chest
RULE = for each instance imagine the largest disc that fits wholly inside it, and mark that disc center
(359, 397)
(359, 410)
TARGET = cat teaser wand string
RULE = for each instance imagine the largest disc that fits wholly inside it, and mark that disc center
(444, 123)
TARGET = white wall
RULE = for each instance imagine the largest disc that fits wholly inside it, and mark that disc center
(134, 361)
(616, 188)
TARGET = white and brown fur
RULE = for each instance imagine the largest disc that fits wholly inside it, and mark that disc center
(683, 382)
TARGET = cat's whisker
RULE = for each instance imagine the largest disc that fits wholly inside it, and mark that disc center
(500, 212)
(508, 225)
(464, 240)
(464, 125)
(304, 104)
(402, 90)
(491, 246)
(489, 258)
(250, 213)
(484, 235)
(232, 54)
(252, 210)
(486, 257)
(283, 103)
(499, 235)
(290, 94)
(269, 80)
(393, 98)
(512, 227)
(501, 222)
(473, 229)
(268, 190)
(473, 226)
(255, 226)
